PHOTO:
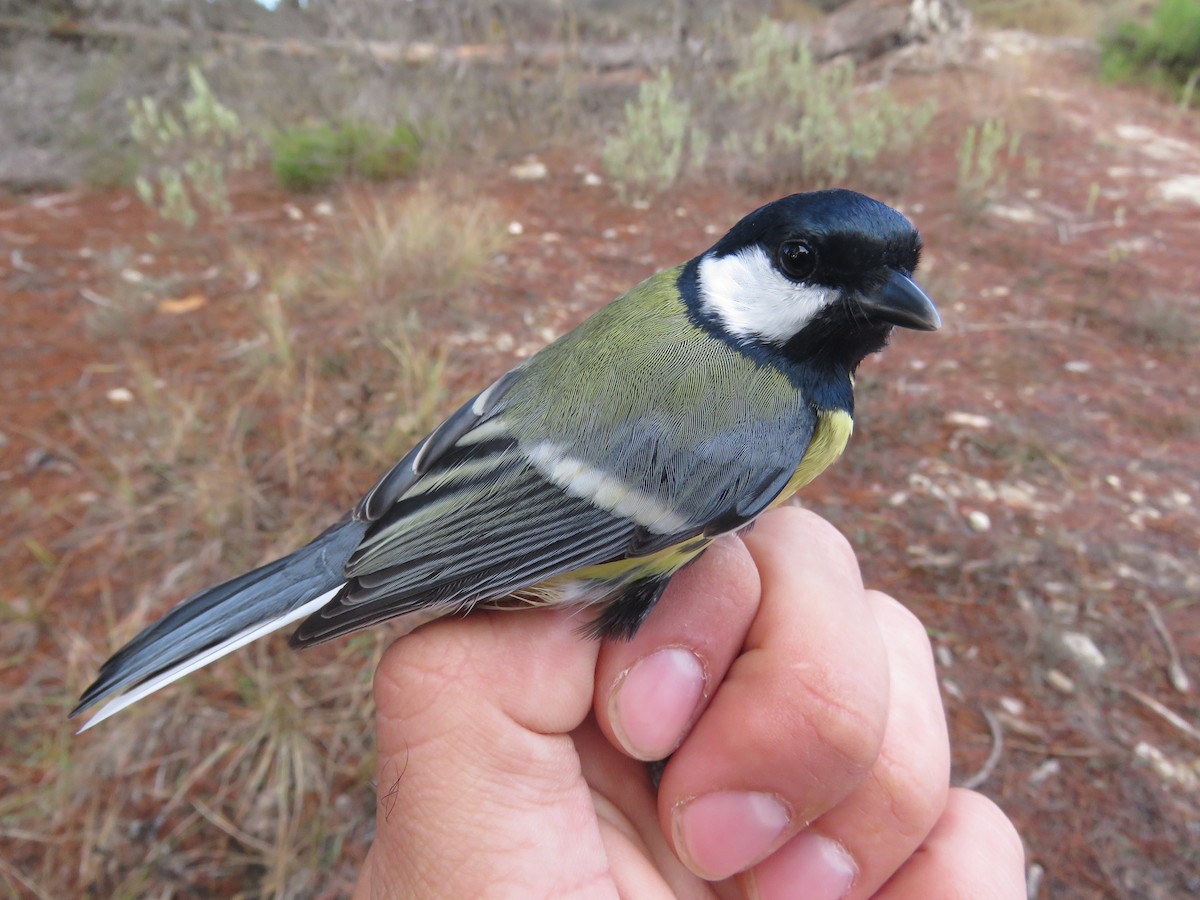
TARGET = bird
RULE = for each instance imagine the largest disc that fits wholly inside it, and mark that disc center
(601, 465)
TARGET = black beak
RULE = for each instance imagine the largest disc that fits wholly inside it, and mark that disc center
(898, 301)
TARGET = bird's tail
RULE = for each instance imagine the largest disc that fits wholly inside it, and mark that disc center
(219, 620)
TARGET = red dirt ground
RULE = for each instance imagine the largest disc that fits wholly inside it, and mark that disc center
(1060, 400)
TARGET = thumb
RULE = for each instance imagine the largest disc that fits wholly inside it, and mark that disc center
(478, 782)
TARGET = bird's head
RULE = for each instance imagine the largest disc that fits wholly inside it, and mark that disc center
(822, 278)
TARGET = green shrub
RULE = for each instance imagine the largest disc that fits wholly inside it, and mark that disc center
(306, 159)
(982, 155)
(791, 120)
(1165, 51)
(310, 157)
(188, 153)
(655, 143)
(381, 156)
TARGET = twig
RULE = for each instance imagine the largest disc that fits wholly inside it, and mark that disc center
(1055, 750)
(230, 829)
(989, 764)
(99, 299)
(1165, 712)
(1175, 673)
(15, 874)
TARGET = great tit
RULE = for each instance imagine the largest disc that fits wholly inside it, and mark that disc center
(600, 466)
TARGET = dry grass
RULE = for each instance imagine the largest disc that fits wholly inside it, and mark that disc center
(277, 764)
(203, 473)
(421, 244)
(1084, 18)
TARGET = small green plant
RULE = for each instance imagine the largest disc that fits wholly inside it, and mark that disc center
(795, 120)
(981, 163)
(306, 159)
(311, 157)
(1165, 51)
(655, 144)
(188, 154)
(381, 155)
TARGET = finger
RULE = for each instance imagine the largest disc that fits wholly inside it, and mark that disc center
(799, 718)
(478, 781)
(857, 846)
(974, 851)
(639, 856)
(650, 688)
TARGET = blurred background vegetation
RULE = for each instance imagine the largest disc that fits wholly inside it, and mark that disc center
(334, 87)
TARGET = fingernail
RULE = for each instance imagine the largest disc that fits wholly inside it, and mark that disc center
(808, 866)
(654, 701)
(721, 834)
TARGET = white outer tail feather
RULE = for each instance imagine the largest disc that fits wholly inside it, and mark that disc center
(201, 660)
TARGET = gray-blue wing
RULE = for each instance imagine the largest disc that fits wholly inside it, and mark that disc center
(472, 515)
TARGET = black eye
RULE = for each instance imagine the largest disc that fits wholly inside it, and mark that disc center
(797, 259)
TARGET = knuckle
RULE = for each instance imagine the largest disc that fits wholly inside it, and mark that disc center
(417, 670)
(834, 545)
(916, 789)
(901, 625)
(847, 718)
(990, 823)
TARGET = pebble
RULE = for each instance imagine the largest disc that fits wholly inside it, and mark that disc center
(532, 169)
(1084, 650)
(1060, 681)
(1012, 706)
(1046, 770)
(1181, 189)
(968, 420)
(952, 689)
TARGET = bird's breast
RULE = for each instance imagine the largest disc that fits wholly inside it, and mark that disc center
(830, 436)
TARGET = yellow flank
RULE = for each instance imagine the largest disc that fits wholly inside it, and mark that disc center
(663, 562)
(828, 441)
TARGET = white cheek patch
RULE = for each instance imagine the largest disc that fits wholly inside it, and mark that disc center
(751, 298)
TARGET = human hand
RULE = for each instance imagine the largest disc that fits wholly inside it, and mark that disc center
(809, 754)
